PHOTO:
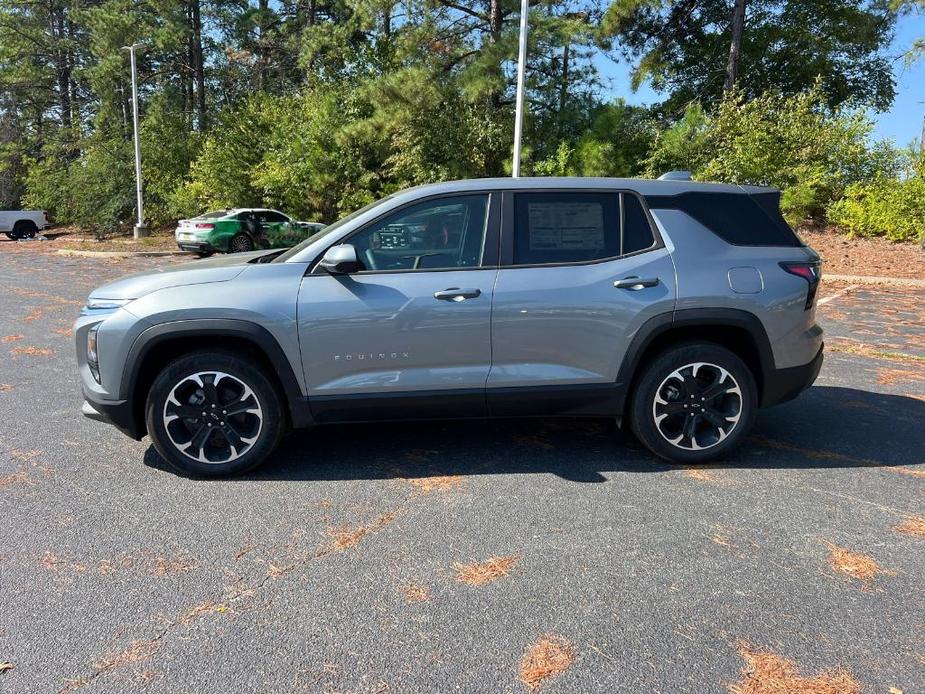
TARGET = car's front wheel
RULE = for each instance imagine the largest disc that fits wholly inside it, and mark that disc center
(212, 414)
(693, 402)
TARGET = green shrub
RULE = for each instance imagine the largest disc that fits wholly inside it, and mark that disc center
(615, 144)
(92, 182)
(892, 207)
(222, 174)
(795, 143)
(684, 146)
(95, 190)
(167, 150)
(790, 142)
(325, 152)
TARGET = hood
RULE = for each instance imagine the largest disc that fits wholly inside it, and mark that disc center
(218, 269)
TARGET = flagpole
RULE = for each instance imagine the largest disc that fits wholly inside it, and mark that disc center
(140, 228)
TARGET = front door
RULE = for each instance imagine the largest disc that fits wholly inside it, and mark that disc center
(410, 334)
(581, 271)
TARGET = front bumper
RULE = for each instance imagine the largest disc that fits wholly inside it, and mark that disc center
(786, 384)
(115, 412)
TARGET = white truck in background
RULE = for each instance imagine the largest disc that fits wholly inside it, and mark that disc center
(22, 224)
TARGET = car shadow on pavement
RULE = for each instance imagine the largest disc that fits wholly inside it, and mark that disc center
(826, 427)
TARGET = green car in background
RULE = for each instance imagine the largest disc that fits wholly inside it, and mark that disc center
(241, 229)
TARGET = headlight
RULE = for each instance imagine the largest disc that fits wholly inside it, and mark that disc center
(93, 357)
(97, 306)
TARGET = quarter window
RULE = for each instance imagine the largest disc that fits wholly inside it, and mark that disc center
(637, 233)
(433, 235)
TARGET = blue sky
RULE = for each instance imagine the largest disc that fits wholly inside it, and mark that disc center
(902, 123)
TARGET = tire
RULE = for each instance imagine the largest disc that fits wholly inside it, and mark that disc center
(697, 387)
(235, 445)
(24, 229)
(11, 236)
(240, 243)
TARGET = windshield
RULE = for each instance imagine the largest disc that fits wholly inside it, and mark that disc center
(328, 229)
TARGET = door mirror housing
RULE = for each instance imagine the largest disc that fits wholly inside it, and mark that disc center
(340, 260)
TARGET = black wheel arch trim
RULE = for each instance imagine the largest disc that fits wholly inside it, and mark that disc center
(295, 403)
(694, 317)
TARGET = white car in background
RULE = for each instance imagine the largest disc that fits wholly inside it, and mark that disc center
(22, 224)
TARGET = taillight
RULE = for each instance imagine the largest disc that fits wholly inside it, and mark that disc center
(811, 272)
(204, 226)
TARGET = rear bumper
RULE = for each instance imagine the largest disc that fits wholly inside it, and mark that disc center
(115, 412)
(196, 246)
(786, 384)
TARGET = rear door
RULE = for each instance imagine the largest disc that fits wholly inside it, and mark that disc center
(581, 271)
(278, 229)
(410, 334)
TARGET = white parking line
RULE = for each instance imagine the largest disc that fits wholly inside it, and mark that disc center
(836, 294)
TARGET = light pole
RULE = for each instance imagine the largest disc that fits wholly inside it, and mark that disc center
(140, 229)
(521, 69)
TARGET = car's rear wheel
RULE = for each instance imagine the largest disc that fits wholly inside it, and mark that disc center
(213, 414)
(693, 402)
(24, 229)
(240, 243)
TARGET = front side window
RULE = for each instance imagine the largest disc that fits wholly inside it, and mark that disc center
(565, 227)
(433, 235)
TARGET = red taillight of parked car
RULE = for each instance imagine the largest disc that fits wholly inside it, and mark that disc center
(204, 226)
(811, 272)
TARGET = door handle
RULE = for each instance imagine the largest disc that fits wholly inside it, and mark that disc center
(456, 294)
(635, 284)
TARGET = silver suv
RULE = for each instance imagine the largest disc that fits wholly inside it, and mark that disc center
(679, 308)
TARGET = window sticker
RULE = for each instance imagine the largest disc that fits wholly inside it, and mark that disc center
(566, 226)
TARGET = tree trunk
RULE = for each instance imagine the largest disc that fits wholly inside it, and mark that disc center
(735, 46)
(495, 25)
(125, 106)
(563, 84)
(262, 53)
(74, 96)
(62, 69)
(495, 21)
(197, 64)
(186, 74)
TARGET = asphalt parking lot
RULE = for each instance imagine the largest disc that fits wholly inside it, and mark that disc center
(341, 566)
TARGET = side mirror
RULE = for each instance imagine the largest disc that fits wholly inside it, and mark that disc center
(341, 260)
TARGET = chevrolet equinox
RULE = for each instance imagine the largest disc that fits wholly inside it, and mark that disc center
(677, 308)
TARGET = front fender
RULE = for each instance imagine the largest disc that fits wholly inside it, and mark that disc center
(214, 330)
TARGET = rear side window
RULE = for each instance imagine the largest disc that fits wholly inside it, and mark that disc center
(737, 218)
(562, 227)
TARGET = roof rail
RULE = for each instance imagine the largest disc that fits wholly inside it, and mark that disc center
(676, 176)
